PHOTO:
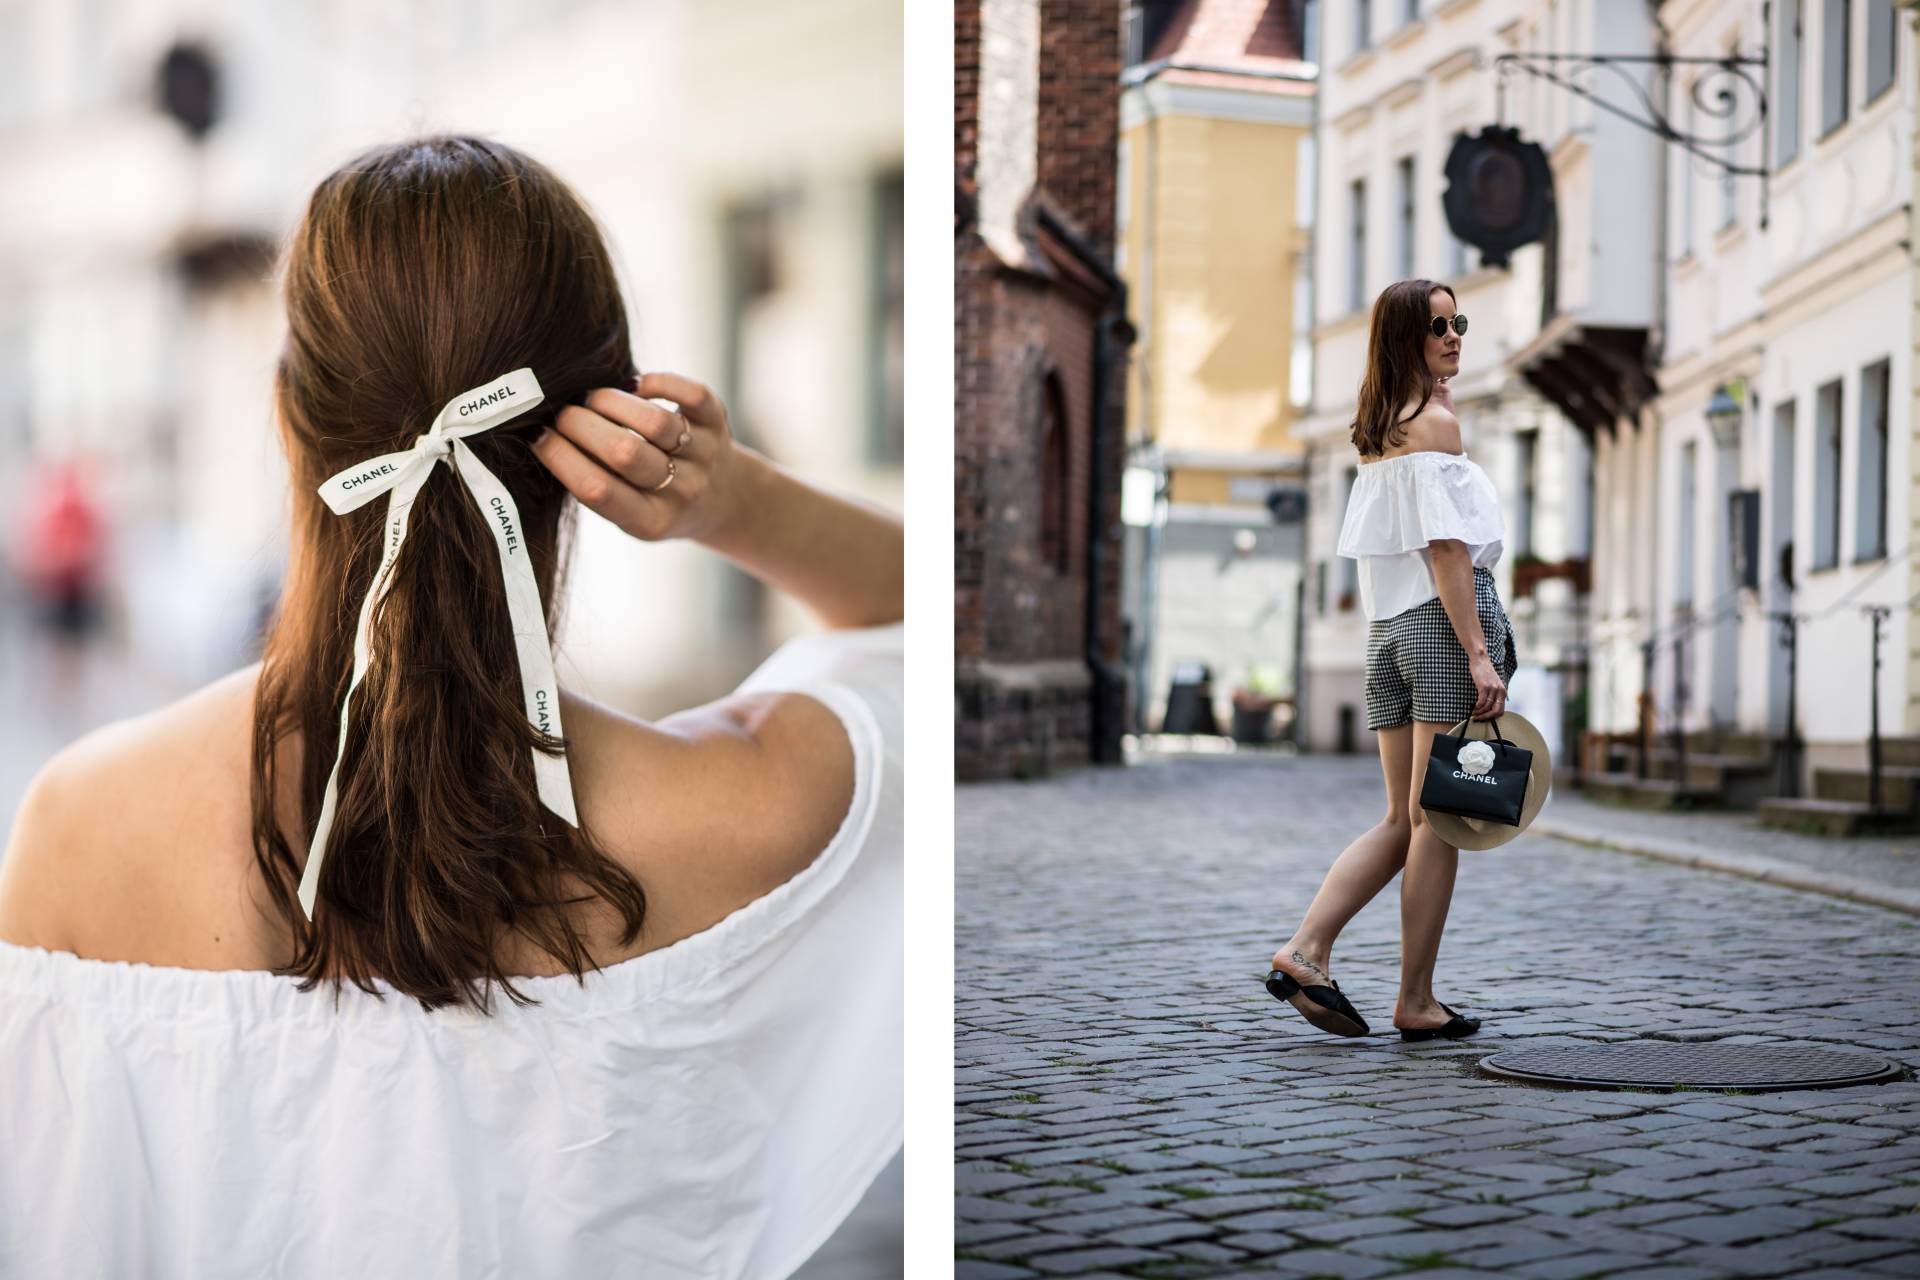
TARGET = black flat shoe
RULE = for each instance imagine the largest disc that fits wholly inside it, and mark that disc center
(1454, 1029)
(1326, 1008)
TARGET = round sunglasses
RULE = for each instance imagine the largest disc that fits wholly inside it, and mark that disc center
(1438, 325)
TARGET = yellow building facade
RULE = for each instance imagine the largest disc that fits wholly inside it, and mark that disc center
(1214, 239)
(1215, 257)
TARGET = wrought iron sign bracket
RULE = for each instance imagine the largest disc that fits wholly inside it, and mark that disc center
(1720, 93)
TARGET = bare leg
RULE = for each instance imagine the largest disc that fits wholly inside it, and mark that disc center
(1425, 894)
(1363, 869)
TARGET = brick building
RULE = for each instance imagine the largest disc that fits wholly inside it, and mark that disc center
(1040, 349)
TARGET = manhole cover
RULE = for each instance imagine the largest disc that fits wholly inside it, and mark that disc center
(1644, 1064)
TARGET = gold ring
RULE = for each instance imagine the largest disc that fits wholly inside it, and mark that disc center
(669, 480)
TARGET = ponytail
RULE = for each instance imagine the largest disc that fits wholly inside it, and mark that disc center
(411, 268)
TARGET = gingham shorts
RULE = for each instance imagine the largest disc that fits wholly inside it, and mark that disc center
(1416, 669)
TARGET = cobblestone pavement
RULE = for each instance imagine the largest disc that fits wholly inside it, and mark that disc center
(1130, 1101)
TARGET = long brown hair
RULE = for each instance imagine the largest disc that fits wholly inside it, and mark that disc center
(1396, 365)
(420, 270)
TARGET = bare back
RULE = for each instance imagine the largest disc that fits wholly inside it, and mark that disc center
(708, 809)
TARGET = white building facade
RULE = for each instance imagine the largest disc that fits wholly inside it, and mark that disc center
(746, 167)
(1805, 325)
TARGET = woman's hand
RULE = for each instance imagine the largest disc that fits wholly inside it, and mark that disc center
(653, 472)
(842, 557)
(1490, 691)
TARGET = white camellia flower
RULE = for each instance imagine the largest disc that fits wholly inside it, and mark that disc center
(1476, 758)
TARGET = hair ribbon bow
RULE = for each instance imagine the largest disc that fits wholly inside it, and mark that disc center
(400, 476)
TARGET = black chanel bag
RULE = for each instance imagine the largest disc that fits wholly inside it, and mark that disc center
(1483, 778)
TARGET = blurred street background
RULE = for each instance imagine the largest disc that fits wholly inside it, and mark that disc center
(744, 158)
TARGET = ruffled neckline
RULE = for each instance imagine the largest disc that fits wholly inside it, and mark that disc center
(1415, 453)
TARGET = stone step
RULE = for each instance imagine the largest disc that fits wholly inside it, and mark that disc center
(1899, 785)
(1648, 793)
(1729, 751)
(1832, 817)
(1758, 745)
(1708, 770)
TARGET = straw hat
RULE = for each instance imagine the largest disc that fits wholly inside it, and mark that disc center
(1475, 833)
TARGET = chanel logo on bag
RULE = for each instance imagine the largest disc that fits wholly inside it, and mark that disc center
(1476, 758)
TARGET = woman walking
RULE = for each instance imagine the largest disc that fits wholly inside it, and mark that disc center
(1424, 523)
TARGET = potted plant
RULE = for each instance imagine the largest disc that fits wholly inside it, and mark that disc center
(1253, 704)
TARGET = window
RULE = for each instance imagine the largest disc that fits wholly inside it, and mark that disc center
(1683, 560)
(1785, 468)
(1833, 65)
(1456, 255)
(1883, 36)
(1826, 476)
(1412, 11)
(1055, 476)
(1362, 24)
(1357, 248)
(1405, 246)
(1870, 524)
(1529, 442)
(1786, 136)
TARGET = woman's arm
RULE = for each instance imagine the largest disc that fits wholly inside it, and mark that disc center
(1453, 575)
(842, 557)
(659, 474)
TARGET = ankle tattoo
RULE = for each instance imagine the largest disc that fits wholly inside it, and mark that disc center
(1302, 960)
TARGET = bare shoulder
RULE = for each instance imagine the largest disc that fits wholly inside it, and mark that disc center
(112, 836)
(1434, 428)
(726, 800)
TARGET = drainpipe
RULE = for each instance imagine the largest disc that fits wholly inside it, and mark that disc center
(1301, 698)
(1109, 679)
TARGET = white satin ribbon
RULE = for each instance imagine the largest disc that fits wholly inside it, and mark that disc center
(399, 476)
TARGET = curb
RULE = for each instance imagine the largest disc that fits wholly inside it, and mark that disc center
(1771, 870)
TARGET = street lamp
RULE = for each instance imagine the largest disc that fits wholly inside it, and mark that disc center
(1723, 415)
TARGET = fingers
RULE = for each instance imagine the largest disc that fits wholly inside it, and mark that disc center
(695, 399)
(1489, 699)
(641, 466)
(1494, 700)
(661, 427)
(597, 488)
(618, 446)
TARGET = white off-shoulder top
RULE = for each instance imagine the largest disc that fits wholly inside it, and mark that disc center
(1399, 505)
(714, 1108)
